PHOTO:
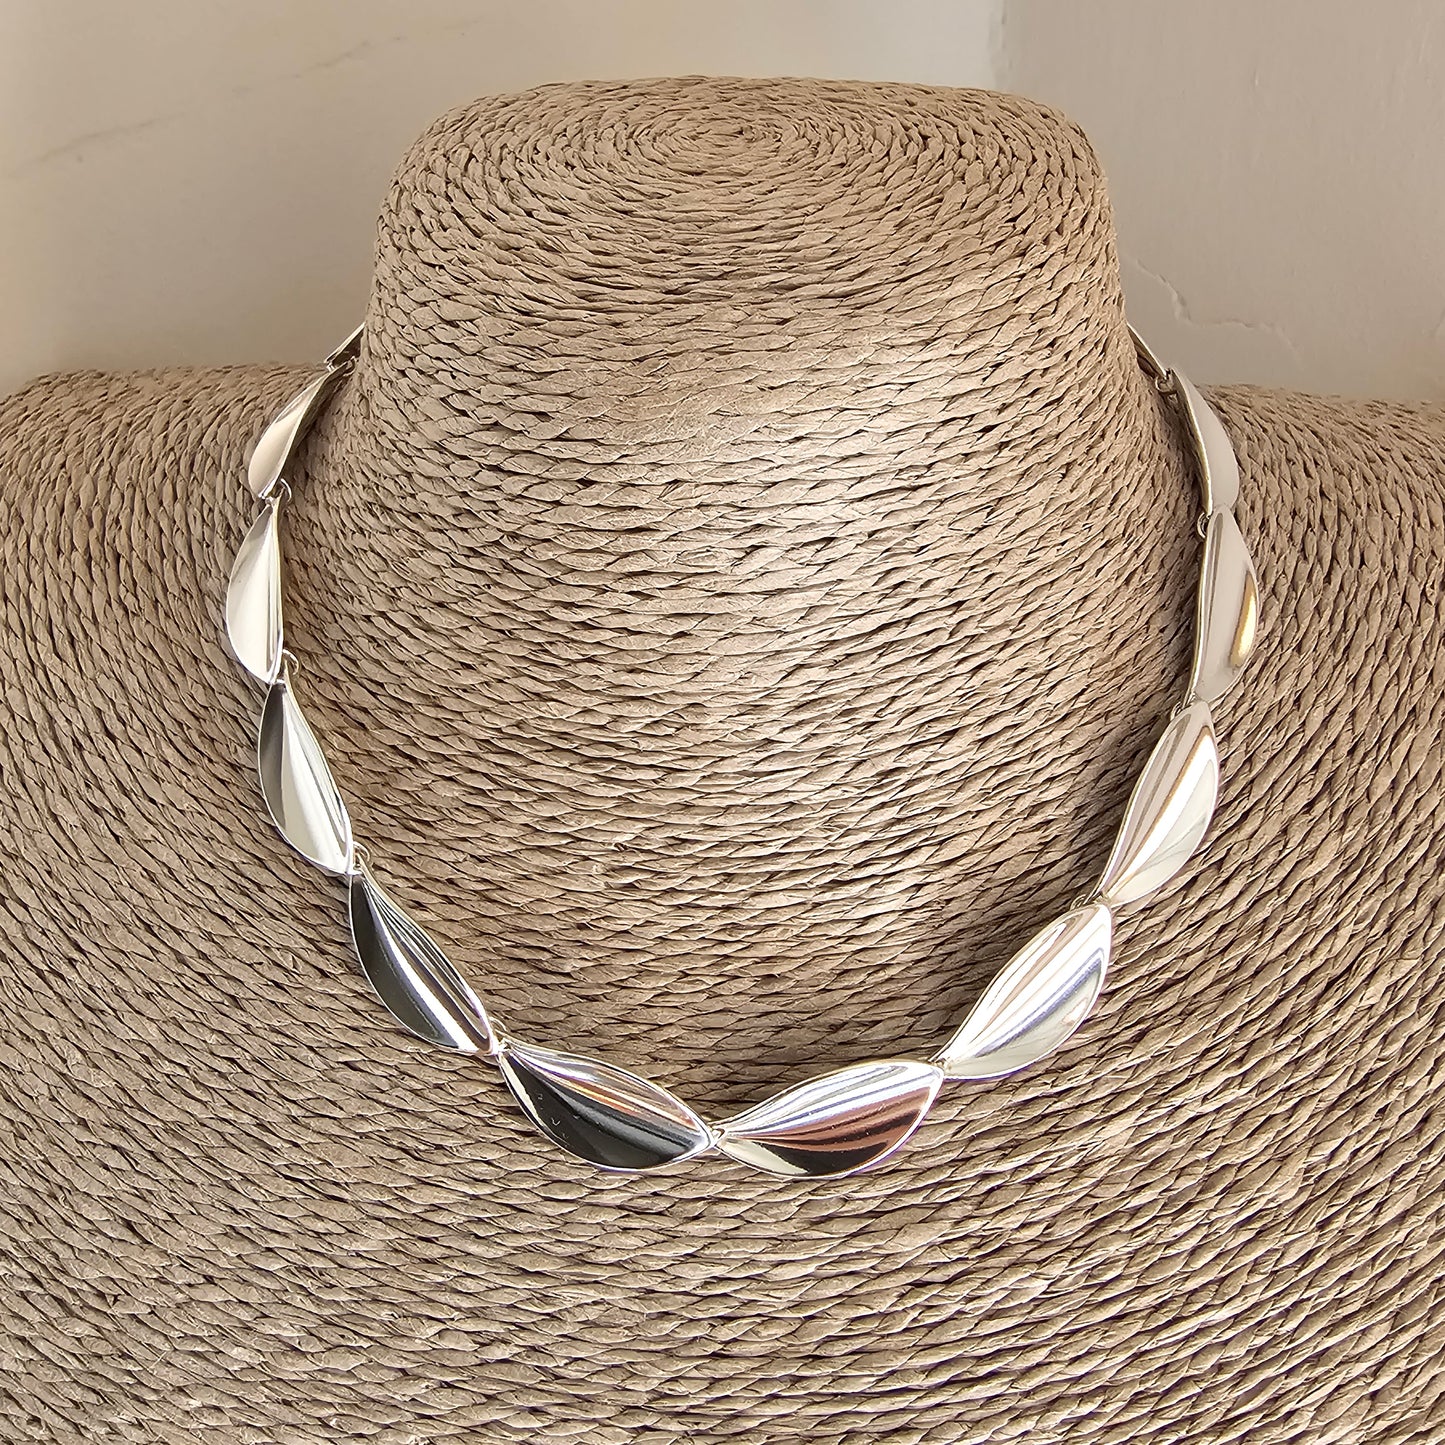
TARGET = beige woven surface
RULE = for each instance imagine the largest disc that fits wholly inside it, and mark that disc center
(736, 592)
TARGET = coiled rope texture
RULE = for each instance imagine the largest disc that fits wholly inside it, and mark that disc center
(738, 588)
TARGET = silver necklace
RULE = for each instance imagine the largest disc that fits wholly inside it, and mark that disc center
(836, 1123)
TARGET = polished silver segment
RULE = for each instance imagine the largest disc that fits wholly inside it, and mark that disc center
(411, 975)
(604, 1114)
(1039, 997)
(1227, 616)
(346, 351)
(1219, 482)
(1169, 811)
(839, 1123)
(1149, 361)
(272, 455)
(300, 793)
(253, 597)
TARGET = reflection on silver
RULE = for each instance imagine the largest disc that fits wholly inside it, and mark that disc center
(272, 454)
(253, 598)
(345, 352)
(602, 1113)
(839, 1123)
(300, 793)
(1228, 612)
(1219, 480)
(1149, 361)
(1039, 997)
(1169, 811)
(410, 974)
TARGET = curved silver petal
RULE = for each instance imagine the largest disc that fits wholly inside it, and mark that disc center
(410, 974)
(253, 598)
(300, 792)
(1148, 358)
(1169, 811)
(1219, 482)
(600, 1112)
(1227, 616)
(274, 446)
(345, 352)
(1039, 997)
(839, 1123)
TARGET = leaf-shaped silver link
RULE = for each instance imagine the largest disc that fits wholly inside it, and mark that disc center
(345, 352)
(838, 1123)
(300, 793)
(613, 1118)
(271, 457)
(1219, 467)
(410, 974)
(1227, 616)
(253, 597)
(1169, 810)
(1149, 360)
(1036, 1000)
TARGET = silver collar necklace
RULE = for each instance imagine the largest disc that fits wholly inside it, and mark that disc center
(839, 1122)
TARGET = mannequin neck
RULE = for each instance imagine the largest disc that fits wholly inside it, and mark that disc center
(741, 543)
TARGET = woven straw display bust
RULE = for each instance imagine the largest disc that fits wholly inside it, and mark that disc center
(737, 590)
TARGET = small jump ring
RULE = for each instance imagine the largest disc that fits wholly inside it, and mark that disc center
(289, 660)
(1201, 525)
(360, 854)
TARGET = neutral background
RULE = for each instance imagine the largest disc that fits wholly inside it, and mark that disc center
(196, 181)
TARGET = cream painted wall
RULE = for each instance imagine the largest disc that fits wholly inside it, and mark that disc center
(196, 181)
(1277, 169)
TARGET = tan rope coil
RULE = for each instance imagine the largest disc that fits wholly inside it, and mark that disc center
(738, 588)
